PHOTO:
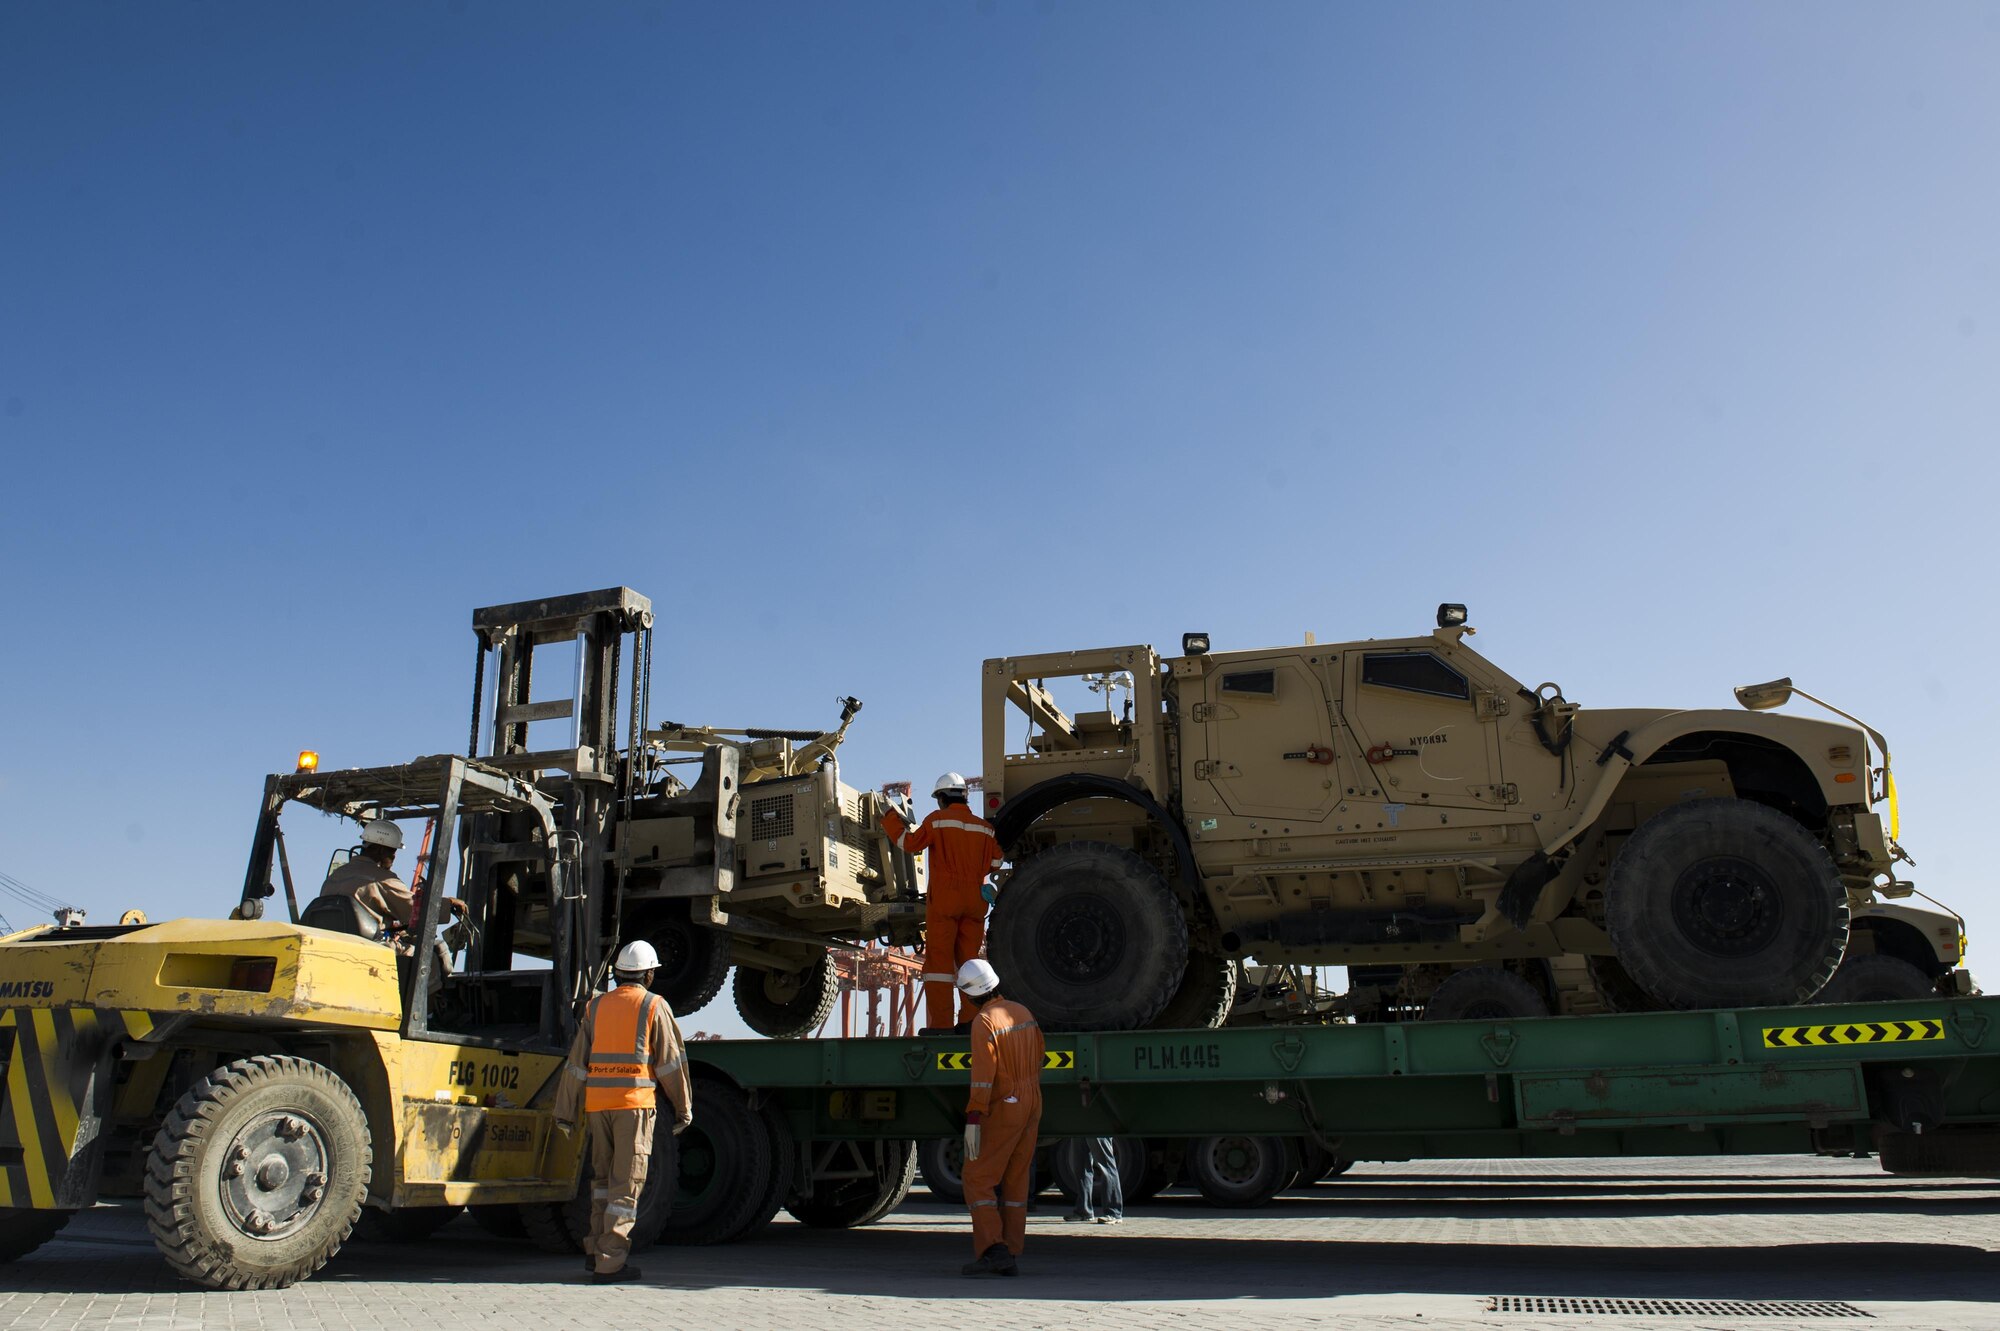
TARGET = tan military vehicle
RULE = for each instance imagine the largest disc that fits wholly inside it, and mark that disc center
(1466, 845)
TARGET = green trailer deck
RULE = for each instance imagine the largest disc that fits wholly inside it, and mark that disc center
(1917, 1082)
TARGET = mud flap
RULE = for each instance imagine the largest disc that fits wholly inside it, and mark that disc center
(1524, 887)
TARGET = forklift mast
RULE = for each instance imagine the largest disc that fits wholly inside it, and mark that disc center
(591, 777)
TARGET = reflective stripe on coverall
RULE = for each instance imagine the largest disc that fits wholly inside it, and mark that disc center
(963, 852)
(1006, 1102)
(627, 1045)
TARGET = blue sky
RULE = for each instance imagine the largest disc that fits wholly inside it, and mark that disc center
(873, 341)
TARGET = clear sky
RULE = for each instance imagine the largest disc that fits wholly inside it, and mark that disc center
(871, 341)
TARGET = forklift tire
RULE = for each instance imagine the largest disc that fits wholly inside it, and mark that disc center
(694, 959)
(543, 1225)
(1202, 1000)
(724, 1169)
(409, 1224)
(788, 1005)
(941, 1161)
(1089, 937)
(889, 1168)
(501, 1220)
(1876, 978)
(22, 1230)
(279, 1122)
(1238, 1171)
(1726, 903)
(1485, 993)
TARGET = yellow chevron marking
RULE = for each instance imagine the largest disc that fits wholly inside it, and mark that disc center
(138, 1025)
(1051, 1058)
(1846, 1033)
(53, 1056)
(35, 1168)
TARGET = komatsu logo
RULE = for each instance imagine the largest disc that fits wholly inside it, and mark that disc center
(27, 988)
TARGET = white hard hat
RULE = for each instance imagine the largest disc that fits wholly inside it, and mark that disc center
(381, 832)
(977, 978)
(950, 782)
(636, 957)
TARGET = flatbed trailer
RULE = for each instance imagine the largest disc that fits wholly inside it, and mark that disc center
(1915, 1082)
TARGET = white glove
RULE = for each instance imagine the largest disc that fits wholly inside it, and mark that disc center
(972, 1141)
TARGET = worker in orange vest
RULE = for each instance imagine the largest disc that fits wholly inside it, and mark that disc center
(963, 851)
(1002, 1118)
(627, 1045)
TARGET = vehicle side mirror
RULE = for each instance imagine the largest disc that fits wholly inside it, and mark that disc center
(1763, 697)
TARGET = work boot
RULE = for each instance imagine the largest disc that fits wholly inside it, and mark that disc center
(1076, 1218)
(995, 1261)
(622, 1275)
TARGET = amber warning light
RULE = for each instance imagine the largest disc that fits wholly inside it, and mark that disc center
(308, 761)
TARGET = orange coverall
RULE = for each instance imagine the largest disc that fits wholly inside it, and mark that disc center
(1006, 1102)
(963, 851)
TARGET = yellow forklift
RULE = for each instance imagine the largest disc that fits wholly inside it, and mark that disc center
(264, 1085)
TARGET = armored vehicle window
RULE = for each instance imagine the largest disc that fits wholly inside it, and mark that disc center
(1415, 672)
(1256, 683)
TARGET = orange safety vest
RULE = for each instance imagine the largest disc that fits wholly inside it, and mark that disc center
(621, 1064)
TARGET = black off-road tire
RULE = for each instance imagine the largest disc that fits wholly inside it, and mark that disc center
(1089, 937)
(1203, 998)
(544, 1225)
(694, 959)
(1239, 1171)
(851, 1203)
(1340, 1165)
(22, 1229)
(1874, 977)
(788, 1005)
(410, 1224)
(501, 1220)
(725, 1168)
(251, 1103)
(941, 1160)
(1484, 993)
(1726, 903)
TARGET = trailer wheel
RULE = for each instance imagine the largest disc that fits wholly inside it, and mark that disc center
(258, 1174)
(1238, 1171)
(1203, 998)
(1089, 937)
(1484, 993)
(694, 959)
(1164, 1163)
(784, 1168)
(788, 1005)
(941, 1161)
(22, 1229)
(1876, 978)
(855, 1183)
(501, 1220)
(1726, 903)
(408, 1224)
(724, 1170)
(1129, 1152)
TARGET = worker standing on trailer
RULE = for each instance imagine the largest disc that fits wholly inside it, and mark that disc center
(963, 852)
(627, 1045)
(1002, 1118)
(370, 878)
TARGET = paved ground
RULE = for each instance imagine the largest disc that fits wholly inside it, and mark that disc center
(1386, 1246)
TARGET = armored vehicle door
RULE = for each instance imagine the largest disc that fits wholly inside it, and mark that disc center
(1270, 739)
(1424, 728)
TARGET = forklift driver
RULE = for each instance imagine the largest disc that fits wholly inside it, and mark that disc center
(370, 879)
